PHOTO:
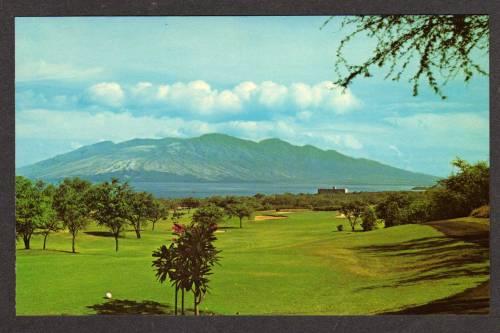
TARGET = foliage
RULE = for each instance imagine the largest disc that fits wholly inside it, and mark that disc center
(190, 203)
(188, 261)
(369, 219)
(109, 205)
(141, 206)
(159, 212)
(70, 203)
(393, 215)
(483, 212)
(352, 212)
(240, 211)
(208, 215)
(30, 208)
(430, 46)
(472, 182)
(49, 221)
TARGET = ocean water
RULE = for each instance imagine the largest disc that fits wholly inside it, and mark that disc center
(202, 190)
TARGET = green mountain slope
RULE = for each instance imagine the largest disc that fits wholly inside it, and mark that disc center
(219, 158)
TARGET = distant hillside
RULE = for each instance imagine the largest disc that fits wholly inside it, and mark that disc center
(219, 158)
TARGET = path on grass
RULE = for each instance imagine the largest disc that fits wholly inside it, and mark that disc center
(473, 300)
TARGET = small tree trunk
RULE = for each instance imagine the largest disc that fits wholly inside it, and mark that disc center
(182, 301)
(176, 293)
(153, 226)
(26, 239)
(45, 240)
(196, 305)
(116, 242)
(240, 223)
(137, 228)
(73, 243)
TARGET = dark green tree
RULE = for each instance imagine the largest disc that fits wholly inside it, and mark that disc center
(159, 212)
(393, 215)
(240, 210)
(190, 203)
(140, 208)
(49, 221)
(188, 261)
(29, 208)
(208, 215)
(352, 211)
(110, 206)
(369, 219)
(71, 206)
(433, 48)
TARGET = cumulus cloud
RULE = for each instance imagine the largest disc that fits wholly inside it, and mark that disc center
(324, 95)
(199, 97)
(107, 93)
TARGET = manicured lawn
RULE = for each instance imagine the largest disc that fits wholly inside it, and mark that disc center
(298, 265)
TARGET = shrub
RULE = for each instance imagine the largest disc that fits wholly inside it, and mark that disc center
(369, 219)
(340, 227)
(483, 211)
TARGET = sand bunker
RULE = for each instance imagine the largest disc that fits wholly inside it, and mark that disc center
(265, 217)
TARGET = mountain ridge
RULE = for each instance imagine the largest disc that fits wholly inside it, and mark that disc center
(216, 157)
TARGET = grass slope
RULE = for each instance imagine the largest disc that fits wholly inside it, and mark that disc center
(298, 265)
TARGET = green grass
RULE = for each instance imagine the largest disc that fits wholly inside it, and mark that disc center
(298, 265)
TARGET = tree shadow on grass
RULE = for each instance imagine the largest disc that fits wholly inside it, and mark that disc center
(130, 307)
(118, 306)
(435, 258)
(101, 234)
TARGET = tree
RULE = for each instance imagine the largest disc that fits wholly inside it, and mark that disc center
(400, 199)
(369, 219)
(352, 210)
(472, 182)
(159, 212)
(197, 246)
(166, 265)
(432, 44)
(393, 215)
(241, 211)
(71, 206)
(110, 207)
(29, 208)
(190, 203)
(187, 262)
(208, 215)
(141, 207)
(49, 221)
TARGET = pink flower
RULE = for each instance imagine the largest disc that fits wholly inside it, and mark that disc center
(178, 228)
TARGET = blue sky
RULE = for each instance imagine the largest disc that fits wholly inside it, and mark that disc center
(84, 80)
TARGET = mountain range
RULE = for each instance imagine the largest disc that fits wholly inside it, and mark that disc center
(218, 158)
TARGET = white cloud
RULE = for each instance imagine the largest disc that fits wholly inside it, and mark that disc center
(351, 142)
(107, 93)
(325, 96)
(272, 94)
(199, 97)
(76, 126)
(245, 90)
(396, 150)
(43, 70)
